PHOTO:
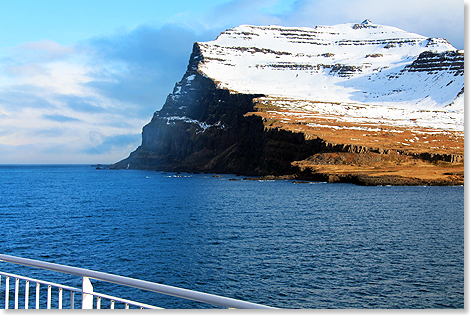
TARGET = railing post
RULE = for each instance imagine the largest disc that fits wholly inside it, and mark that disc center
(49, 296)
(17, 288)
(38, 287)
(87, 298)
(7, 292)
(26, 295)
(60, 298)
(72, 300)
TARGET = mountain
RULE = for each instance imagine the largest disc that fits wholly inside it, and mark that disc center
(355, 102)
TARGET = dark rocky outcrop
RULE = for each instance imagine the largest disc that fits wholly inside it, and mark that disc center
(428, 61)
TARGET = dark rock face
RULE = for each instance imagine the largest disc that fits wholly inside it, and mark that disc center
(200, 128)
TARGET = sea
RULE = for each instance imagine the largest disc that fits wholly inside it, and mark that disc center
(283, 244)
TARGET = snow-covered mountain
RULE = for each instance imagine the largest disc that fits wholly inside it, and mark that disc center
(329, 68)
(334, 103)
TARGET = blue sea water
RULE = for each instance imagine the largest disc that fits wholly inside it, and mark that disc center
(277, 243)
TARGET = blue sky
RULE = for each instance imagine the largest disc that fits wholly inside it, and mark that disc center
(79, 79)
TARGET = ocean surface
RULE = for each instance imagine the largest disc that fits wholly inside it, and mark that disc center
(278, 243)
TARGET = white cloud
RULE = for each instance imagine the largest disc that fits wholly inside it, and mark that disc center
(45, 50)
(46, 103)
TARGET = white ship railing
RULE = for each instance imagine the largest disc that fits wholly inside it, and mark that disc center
(88, 295)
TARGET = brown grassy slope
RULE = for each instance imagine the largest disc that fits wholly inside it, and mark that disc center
(395, 155)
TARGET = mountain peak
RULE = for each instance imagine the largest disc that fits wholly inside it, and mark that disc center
(365, 24)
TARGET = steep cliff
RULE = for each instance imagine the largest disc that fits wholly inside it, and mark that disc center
(359, 103)
(200, 128)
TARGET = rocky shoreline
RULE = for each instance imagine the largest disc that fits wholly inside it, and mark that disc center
(362, 180)
(357, 179)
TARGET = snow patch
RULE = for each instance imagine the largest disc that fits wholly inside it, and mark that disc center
(202, 125)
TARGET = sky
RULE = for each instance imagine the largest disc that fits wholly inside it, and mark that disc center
(79, 79)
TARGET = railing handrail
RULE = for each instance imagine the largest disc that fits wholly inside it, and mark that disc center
(136, 283)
